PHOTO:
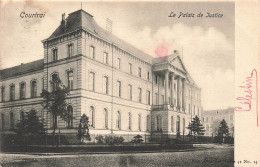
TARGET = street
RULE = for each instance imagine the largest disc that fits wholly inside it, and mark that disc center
(218, 155)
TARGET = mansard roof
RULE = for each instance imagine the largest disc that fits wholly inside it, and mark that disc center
(82, 20)
(21, 69)
(217, 112)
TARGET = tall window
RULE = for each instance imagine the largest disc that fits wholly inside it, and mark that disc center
(163, 81)
(148, 123)
(12, 92)
(140, 95)
(139, 122)
(174, 86)
(11, 120)
(92, 52)
(70, 50)
(118, 120)
(118, 85)
(33, 89)
(156, 99)
(105, 58)
(194, 112)
(3, 121)
(183, 123)
(70, 116)
(129, 121)
(55, 54)
(178, 124)
(139, 72)
(118, 63)
(148, 97)
(2, 94)
(70, 79)
(148, 75)
(207, 119)
(130, 68)
(92, 112)
(189, 108)
(105, 84)
(130, 92)
(22, 90)
(21, 115)
(162, 99)
(156, 79)
(159, 123)
(92, 81)
(106, 118)
(207, 127)
(55, 81)
(172, 124)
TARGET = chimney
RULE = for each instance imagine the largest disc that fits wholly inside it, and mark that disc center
(109, 24)
(63, 23)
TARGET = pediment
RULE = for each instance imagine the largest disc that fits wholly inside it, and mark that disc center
(176, 62)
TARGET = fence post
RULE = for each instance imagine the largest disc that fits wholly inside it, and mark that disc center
(145, 138)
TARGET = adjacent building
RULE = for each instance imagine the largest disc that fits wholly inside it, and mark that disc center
(123, 90)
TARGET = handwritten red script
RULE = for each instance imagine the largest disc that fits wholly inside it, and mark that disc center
(248, 90)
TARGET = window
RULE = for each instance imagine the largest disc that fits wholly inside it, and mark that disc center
(148, 124)
(92, 52)
(70, 50)
(130, 92)
(140, 95)
(33, 89)
(70, 116)
(156, 79)
(105, 84)
(172, 124)
(3, 121)
(11, 120)
(163, 81)
(105, 58)
(12, 92)
(2, 94)
(130, 68)
(139, 122)
(106, 118)
(148, 97)
(92, 81)
(55, 54)
(178, 124)
(129, 121)
(207, 119)
(21, 115)
(207, 127)
(183, 125)
(92, 113)
(55, 81)
(194, 113)
(22, 90)
(156, 99)
(118, 120)
(118, 85)
(148, 75)
(139, 72)
(162, 99)
(189, 108)
(70, 79)
(159, 123)
(174, 86)
(118, 63)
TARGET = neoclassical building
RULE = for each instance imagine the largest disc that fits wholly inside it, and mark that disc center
(123, 90)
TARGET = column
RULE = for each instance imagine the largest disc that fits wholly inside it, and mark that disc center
(183, 94)
(178, 92)
(172, 93)
(166, 86)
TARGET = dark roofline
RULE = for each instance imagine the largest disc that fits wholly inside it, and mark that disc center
(82, 11)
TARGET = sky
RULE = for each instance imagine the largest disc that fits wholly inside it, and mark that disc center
(206, 44)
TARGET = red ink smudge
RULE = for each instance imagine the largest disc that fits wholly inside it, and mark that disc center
(161, 51)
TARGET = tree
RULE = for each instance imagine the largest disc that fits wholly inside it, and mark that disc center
(83, 129)
(55, 102)
(196, 128)
(137, 139)
(223, 130)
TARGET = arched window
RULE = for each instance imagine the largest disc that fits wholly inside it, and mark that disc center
(33, 89)
(70, 116)
(12, 92)
(11, 120)
(106, 118)
(183, 124)
(92, 81)
(172, 124)
(22, 90)
(118, 120)
(139, 122)
(159, 123)
(70, 50)
(70, 79)
(55, 81)
(178, 124)
(21, 115)
(2, 93)
(129, 121)
(92, 112)
(55, 54)
(3, 121)
(118, 85)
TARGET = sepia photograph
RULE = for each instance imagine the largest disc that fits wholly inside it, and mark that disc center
(113, 83)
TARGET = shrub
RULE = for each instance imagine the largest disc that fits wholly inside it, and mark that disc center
(111, 140)
(137, 139)
(100, 139)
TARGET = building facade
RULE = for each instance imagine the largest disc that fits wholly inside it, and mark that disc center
(120, 88)
(211, 120)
